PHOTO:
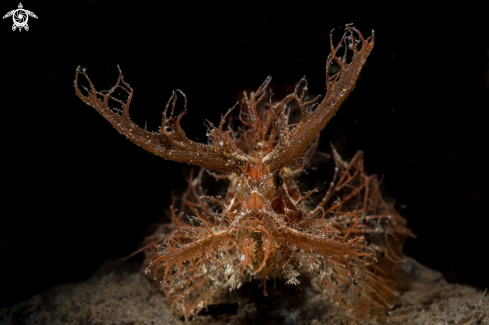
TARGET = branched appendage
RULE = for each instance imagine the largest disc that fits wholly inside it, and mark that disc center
(263, 229)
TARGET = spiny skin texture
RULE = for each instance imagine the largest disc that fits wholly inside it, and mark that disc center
(262, 229)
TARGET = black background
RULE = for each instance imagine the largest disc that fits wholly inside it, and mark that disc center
(76, 193)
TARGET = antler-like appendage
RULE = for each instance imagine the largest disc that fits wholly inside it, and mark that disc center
(293, 143)
(170, 142)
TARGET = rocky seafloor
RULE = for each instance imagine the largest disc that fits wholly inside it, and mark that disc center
(118, 294)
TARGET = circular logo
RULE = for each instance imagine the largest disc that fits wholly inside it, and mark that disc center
(20, 17)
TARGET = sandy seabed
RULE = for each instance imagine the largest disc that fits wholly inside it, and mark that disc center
(118, 294)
